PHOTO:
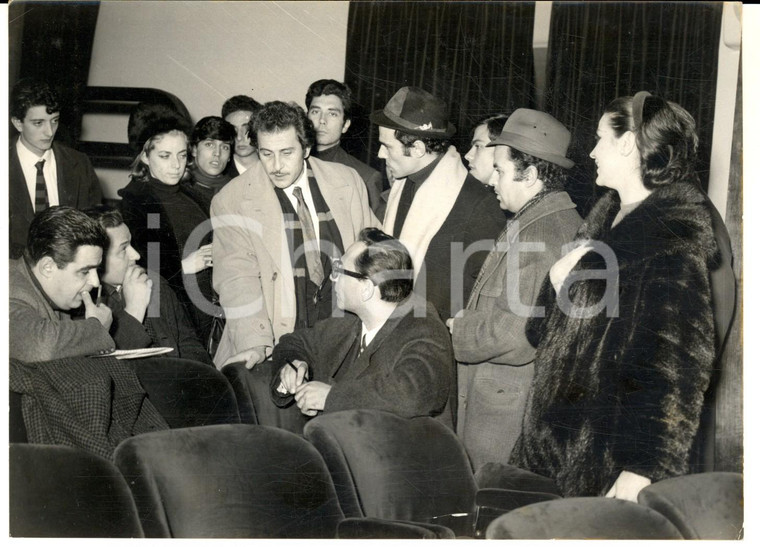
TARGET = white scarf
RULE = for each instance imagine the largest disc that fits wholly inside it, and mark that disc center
(431, 206)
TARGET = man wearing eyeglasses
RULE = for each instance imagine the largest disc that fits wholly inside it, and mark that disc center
(391, 352)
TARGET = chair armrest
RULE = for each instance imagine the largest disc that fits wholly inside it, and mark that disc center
(494, 502)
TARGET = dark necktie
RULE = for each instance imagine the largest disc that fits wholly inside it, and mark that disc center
(40, 189)
(310, 243)
(404, 203)
(363, 345)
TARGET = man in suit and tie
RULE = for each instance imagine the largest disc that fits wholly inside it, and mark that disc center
(435, 207)
(42, 173)
(495, 357)
(391, 352)
(276, 228)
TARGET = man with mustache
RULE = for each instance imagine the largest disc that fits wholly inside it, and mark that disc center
(42, 173)
(276, 229)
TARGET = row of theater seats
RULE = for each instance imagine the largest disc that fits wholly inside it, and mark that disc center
(353, 474)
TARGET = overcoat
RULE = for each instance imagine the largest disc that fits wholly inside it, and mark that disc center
(622, 389)
(490, 344)
(253, 273)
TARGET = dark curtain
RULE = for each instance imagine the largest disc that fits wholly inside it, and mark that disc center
(477, 56)
(52, 41)
(599, 51)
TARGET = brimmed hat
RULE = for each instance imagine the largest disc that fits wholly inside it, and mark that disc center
(149, 119)
(417, 112)
(538, 134)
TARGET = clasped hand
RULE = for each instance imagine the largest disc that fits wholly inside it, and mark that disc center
(310, 397)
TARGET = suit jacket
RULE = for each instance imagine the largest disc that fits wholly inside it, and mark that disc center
(78, 186)
(172, 327)
(495, 357)
(370, 176)
(40, 333)
(253, 273)
(407, 369)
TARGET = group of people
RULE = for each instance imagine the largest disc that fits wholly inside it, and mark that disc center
(577, 349)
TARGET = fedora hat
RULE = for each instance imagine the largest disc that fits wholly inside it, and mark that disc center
(417, 112)
(538, 134)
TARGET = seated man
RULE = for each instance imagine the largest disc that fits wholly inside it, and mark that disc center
(56, 274)
(386, 354)
(142, 317)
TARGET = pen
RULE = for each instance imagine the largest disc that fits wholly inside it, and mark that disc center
(290, 363)
(97, 301)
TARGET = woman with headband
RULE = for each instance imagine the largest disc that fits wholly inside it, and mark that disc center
(626, 351)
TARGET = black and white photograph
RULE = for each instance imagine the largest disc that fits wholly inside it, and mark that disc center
(377, 269)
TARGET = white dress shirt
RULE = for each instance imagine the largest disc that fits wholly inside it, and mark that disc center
(303, 184)
(28, 160)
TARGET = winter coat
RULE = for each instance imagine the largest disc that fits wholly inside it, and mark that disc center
(624, 388)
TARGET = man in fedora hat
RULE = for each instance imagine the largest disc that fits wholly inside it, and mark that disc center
(435, 207)
(495, 359)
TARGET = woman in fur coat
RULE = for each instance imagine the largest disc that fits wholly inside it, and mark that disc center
(623, 361)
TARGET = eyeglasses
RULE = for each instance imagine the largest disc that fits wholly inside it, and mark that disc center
(338, 269)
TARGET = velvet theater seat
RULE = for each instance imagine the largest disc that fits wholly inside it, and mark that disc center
(187, 393)
(387, 467)
(229, 481)
(701, 506)
(583, 518)
(59, 491)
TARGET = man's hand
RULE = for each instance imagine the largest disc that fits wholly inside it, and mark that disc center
(101, 312)
(450, 324)
(290, 379)
(627, 486)
(198, 260)
(251, 357)
(136, 289)
(311, 397)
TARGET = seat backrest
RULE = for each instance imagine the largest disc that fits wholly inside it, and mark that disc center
(582, 518)
(59, 491)
(187, 393)
(701, 506)
(394, 468)
(229, 481)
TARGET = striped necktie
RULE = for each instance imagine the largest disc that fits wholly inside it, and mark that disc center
(310, 243)
(40, 189)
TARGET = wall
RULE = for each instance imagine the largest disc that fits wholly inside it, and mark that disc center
(274, 50)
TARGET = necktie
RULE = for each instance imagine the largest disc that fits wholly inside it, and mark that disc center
(40, 189)
(404, 203)
(310, 243)
(363, 345)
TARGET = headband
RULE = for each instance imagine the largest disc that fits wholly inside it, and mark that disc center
(638, 108)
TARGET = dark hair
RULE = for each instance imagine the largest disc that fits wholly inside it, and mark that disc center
(240, 102)
(494, 125)
(387, 263)
(140, 170)
(331, 87)
(552, 175)
(214, 128)
(432, 145)
(278, 116)
(667, 139)
(106, 216)
(28, 93)
(58, 232)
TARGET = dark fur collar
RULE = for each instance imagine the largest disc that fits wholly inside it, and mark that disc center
(673, 219)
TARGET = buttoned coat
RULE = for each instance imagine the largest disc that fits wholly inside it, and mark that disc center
(407, 368)
(490, 344)
(40, 333)
(253, 273)
(78, 186)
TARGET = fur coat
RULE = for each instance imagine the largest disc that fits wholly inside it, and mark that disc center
(623, 389)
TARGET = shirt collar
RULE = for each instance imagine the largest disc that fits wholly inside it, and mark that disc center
(301, 182)
(422, 175)
(27, 157)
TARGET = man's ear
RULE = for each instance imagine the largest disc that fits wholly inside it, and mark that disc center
(346, 125)
(46, 266)
(530, 176)
(418, 149)
(18, 124)
(307, 151)
(367, 290)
